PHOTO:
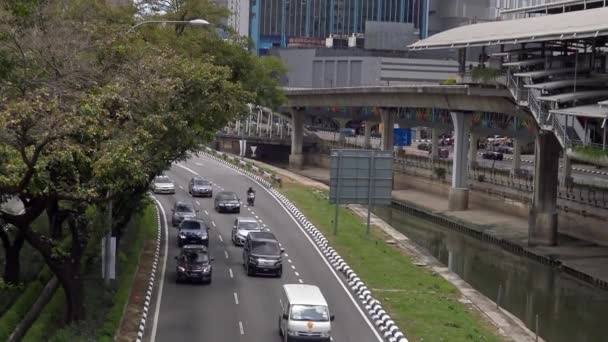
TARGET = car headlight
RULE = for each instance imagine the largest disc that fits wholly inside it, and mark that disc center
(252, 260)
(207, 268)
(222, 204)
(292, 333)
(182, 236)
(181, 269)
(326, 334)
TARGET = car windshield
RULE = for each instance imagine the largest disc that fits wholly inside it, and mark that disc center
(162, 180)
(265, 248)
(185, 208)
(191, 225)
(227, 197)
(201, 182)
(316, 313)
(197, 257)
(249, 225)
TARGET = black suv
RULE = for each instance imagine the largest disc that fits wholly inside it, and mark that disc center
(227, 201)
(262, 254)
(194, 264)
(199, 186)
(193, 232)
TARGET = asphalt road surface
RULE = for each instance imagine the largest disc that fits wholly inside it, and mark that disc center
(235, 307)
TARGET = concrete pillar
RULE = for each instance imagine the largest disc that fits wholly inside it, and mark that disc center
(516, 166)
(296, 158)
(388, 124)
(566, 179)
(543, 214)
(367, 142)
(459, 192)
(342, 122)
(473, 138)
(434, 143)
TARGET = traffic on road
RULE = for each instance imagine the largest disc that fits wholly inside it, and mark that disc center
(235, 272)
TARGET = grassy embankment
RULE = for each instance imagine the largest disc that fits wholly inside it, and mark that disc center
(424, 305)
(104, 306)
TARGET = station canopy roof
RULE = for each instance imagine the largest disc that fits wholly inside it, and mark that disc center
(572, 25)
(587, 111)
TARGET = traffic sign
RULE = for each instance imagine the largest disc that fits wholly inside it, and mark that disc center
(402, 136)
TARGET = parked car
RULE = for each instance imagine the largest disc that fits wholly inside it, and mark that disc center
(193, 232)
(194, 264)
(492, 155)
(242, 227)
(182, 210)
(424, 146)
(199, 186)
(262, 254)
(163, 185)
(227, 201)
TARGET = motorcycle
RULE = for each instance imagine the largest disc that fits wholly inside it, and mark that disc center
(250, 199)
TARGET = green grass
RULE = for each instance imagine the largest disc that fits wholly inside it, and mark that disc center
(424, 305)
(104, 306)
(591, 152)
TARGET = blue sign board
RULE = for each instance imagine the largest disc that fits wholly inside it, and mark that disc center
(402, 136)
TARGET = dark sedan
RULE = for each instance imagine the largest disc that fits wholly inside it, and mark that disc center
(194, 264)
(182, 210)
(193, 232)
(492, 155)
(226, 201)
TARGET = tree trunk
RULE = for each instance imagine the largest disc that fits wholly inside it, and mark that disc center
(73, 287)
(12, 265)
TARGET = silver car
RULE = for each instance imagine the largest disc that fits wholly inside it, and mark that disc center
(242, 227)
(182, 210)
(163, 185)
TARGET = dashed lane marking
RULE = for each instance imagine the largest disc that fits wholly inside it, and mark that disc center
(297, 274)
(198, 164)
(221, 238)
(231, 274)
(181, 187)
(198, 203)
(187, 169)
(236, 298)
(301, 281)
(226, 254)
(206, 213)
(293, 267)
(213, 224)
(289, 261)
(241, 328)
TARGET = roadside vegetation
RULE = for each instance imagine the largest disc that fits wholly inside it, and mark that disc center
(90, 113)
(424, 305)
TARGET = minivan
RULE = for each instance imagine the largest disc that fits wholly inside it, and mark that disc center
(304, 314)
(262, 254)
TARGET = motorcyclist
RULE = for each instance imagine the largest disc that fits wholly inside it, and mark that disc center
(250, 196)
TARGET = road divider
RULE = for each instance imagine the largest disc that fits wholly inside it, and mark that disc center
(390, 331)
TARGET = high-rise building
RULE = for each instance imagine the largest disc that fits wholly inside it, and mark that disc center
(511, 9)
(275, 22)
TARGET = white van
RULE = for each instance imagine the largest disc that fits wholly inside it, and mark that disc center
(304, 314)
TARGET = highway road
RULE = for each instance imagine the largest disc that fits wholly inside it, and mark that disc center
(235, 307)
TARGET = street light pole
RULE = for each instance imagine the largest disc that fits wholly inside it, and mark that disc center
(193, 22)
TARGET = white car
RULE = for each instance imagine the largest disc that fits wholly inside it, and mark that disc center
(163, 185)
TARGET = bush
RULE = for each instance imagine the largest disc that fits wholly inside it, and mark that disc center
(484, 75)
(440, 172)
(449, 81)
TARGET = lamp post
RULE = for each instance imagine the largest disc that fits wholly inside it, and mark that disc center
(193, 22)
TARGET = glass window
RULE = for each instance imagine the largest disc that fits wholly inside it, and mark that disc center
(185, 208)
(265, 248)
(194, 225)
(315, 313)
(249, 225)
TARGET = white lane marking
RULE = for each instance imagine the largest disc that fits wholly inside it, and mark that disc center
(213, 224)
(257, 218)
(297, 274)
(252, 212)
(187, 169)
(346, 290)
(289, 260)
(236, 299)
(181, 187)
(231, 274)
(293, 267)
(301, 281)
(264, 225)
(198, 164)
(241, 328)
(261, 221)
(226, 254)
(206, 213)
(287, 255)
(199, 203)
(162, 272)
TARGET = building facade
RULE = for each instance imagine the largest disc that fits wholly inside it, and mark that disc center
(279, 23)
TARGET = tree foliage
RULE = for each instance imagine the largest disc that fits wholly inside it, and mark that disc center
(90, 114)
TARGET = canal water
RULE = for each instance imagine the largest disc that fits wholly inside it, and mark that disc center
(567, 308)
